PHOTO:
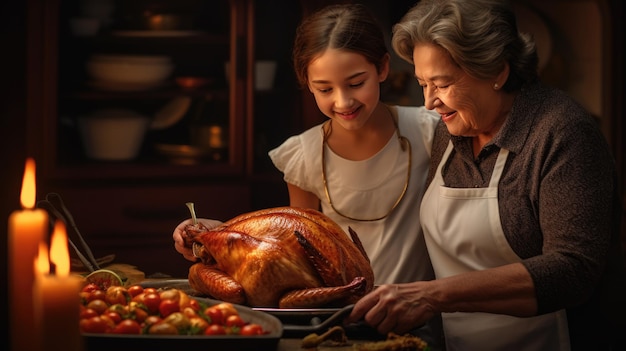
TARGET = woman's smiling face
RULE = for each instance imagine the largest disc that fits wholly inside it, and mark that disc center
(346, 86)
(468, 106)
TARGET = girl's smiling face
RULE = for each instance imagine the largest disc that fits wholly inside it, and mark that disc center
(346, 86)
(469, 106)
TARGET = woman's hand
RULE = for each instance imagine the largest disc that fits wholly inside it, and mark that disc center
(179, 242)
(506, 289)
(394, 307)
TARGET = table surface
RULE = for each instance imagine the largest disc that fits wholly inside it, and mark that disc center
(295, 345)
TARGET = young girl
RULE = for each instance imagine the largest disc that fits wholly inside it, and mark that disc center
(366, 166)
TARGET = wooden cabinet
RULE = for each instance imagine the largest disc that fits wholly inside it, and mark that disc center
(129, 207)
(209, 36)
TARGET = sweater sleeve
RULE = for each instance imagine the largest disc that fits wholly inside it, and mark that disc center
(575, 217)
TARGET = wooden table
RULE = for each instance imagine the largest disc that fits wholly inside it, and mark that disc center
(294, 345)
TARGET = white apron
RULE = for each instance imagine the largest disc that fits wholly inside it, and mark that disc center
(463, 233)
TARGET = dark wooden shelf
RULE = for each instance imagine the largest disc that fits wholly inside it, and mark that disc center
(168, 90)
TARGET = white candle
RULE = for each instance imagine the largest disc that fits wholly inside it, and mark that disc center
(59, 297)
(27, 228)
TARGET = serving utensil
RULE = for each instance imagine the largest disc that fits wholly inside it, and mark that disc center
(317, 326)
(54, 204)
(195, 247)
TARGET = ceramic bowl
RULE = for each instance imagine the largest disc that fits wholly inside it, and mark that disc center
(113, 134)
(130, 69)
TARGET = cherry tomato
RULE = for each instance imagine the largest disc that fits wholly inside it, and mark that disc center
(150, 320)
(215, 329)
(135, 290)
(170, 294)
(163, 328)
(136, 312)
(83, 295)
(115, 317)
(235, 321)
(127, 326)
(227, 309)
(252, 329)
(90, 287)
(189, 312)
(214, 314)
(194, 304)
(139, 314)
(92, 325)
(98, 305)
(118, 308)
(198, 323)
(178, 320)
(95, 324)
(96, 295)
(110, 323)
(150, 291)
(138, 298)
(167, 307)
(117, 294)
(87, 313)
(152, 302)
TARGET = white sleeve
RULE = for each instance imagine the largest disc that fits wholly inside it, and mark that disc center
(293, 158)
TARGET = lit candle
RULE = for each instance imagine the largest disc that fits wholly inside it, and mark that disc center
(58, 296)
(27, 228)
(41, 267)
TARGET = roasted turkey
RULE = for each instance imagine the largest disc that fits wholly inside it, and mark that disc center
(283, 257)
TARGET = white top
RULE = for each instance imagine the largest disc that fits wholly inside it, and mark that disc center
(368, 189)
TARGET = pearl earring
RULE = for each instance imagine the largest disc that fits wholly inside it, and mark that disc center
(496, 86)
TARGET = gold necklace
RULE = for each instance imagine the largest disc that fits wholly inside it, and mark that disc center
(404, 144)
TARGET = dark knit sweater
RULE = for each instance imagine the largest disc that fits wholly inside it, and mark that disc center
(558, 201)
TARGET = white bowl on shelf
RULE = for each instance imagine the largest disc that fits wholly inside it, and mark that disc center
(113, 134)
(130, 69)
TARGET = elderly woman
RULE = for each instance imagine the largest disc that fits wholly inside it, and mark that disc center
(521, 214)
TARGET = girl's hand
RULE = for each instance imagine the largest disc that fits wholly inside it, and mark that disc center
(178, 236)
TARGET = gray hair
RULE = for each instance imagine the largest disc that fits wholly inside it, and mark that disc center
(479, 35)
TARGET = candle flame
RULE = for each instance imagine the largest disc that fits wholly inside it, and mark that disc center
(59, 253)
(42, 264)
(28, 195)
